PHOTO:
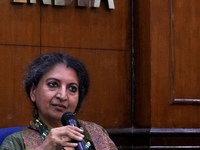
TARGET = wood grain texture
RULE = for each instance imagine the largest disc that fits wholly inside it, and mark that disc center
(20, 24)
(186, 49)
(15, 106)
(142, 67)
(77, 27)
(174, 70)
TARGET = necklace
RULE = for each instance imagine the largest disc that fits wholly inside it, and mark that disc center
(43, 129)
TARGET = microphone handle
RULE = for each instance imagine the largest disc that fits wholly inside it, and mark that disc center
(69, 119)
(80, 146)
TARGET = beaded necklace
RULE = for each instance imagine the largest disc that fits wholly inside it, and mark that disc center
(43, 129)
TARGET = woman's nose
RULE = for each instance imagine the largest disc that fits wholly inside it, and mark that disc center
(62, 93)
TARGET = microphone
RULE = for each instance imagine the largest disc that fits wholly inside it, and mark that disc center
(69, 118)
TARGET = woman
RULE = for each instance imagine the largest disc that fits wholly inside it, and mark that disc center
(57, 83)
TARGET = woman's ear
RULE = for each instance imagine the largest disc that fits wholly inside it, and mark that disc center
(32, 93)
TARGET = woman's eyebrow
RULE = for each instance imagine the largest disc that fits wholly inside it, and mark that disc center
(55, 79)
(73, 83)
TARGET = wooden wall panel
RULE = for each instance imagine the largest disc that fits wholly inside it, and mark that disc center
(98, 28)
(167, 74)
(15, 106)
(142, 67)
(109, 100)
(100, 37)
(160, 66)
(175, 73)
(186, 50)
(20, 23)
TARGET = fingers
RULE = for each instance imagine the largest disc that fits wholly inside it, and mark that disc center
(66, 142)
(65, 135)
(62, 137)
(74, 133)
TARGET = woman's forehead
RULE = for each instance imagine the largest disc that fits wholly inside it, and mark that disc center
(62, 72)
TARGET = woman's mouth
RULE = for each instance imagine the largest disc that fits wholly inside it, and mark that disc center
(59, 107)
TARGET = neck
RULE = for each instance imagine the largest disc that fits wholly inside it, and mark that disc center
(51, 123)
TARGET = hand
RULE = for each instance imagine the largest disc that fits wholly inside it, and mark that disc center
(62, 137)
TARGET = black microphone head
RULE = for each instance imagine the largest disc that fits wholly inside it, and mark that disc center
(69, 118)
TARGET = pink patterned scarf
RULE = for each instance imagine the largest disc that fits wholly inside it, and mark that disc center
(101, 141)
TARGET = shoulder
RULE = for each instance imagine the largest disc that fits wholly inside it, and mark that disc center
(13, 141)
(92, 126)
(99, 135)
(87, 123)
